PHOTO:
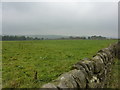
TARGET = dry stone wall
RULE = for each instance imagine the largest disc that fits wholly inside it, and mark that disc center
(89, 73)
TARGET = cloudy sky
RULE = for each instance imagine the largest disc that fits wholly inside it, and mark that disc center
(60, 18)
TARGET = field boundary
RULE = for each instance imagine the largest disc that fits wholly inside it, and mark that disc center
(89, 73)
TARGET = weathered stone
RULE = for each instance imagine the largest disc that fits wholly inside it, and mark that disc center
(79, 67)
(107, 51)
(99, 64)
(101, 57)
(86, 65)
(101, 75)
(94, 82)
(91, 67)
(49, 85)
(108, 67)
(90, 64)
(67, 81)
(113, 49)
(106, 56)
(79, 77)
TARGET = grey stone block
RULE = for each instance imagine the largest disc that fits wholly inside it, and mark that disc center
(79, 77)
(99, 64)
(67, 81)
(49, 85)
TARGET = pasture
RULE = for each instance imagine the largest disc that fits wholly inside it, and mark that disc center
(30, 64)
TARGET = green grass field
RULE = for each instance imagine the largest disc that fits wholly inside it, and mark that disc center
(49, 58)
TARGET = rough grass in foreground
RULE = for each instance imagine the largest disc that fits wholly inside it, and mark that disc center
(115, 75)
(21, 60)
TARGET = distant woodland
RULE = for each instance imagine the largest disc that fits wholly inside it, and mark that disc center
(9, 38)
(18, 38)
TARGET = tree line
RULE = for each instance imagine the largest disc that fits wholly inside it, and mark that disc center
(12, 38)
(97, 37)
(90, 37)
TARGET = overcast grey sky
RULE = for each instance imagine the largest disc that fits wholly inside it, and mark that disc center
(60, 18)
